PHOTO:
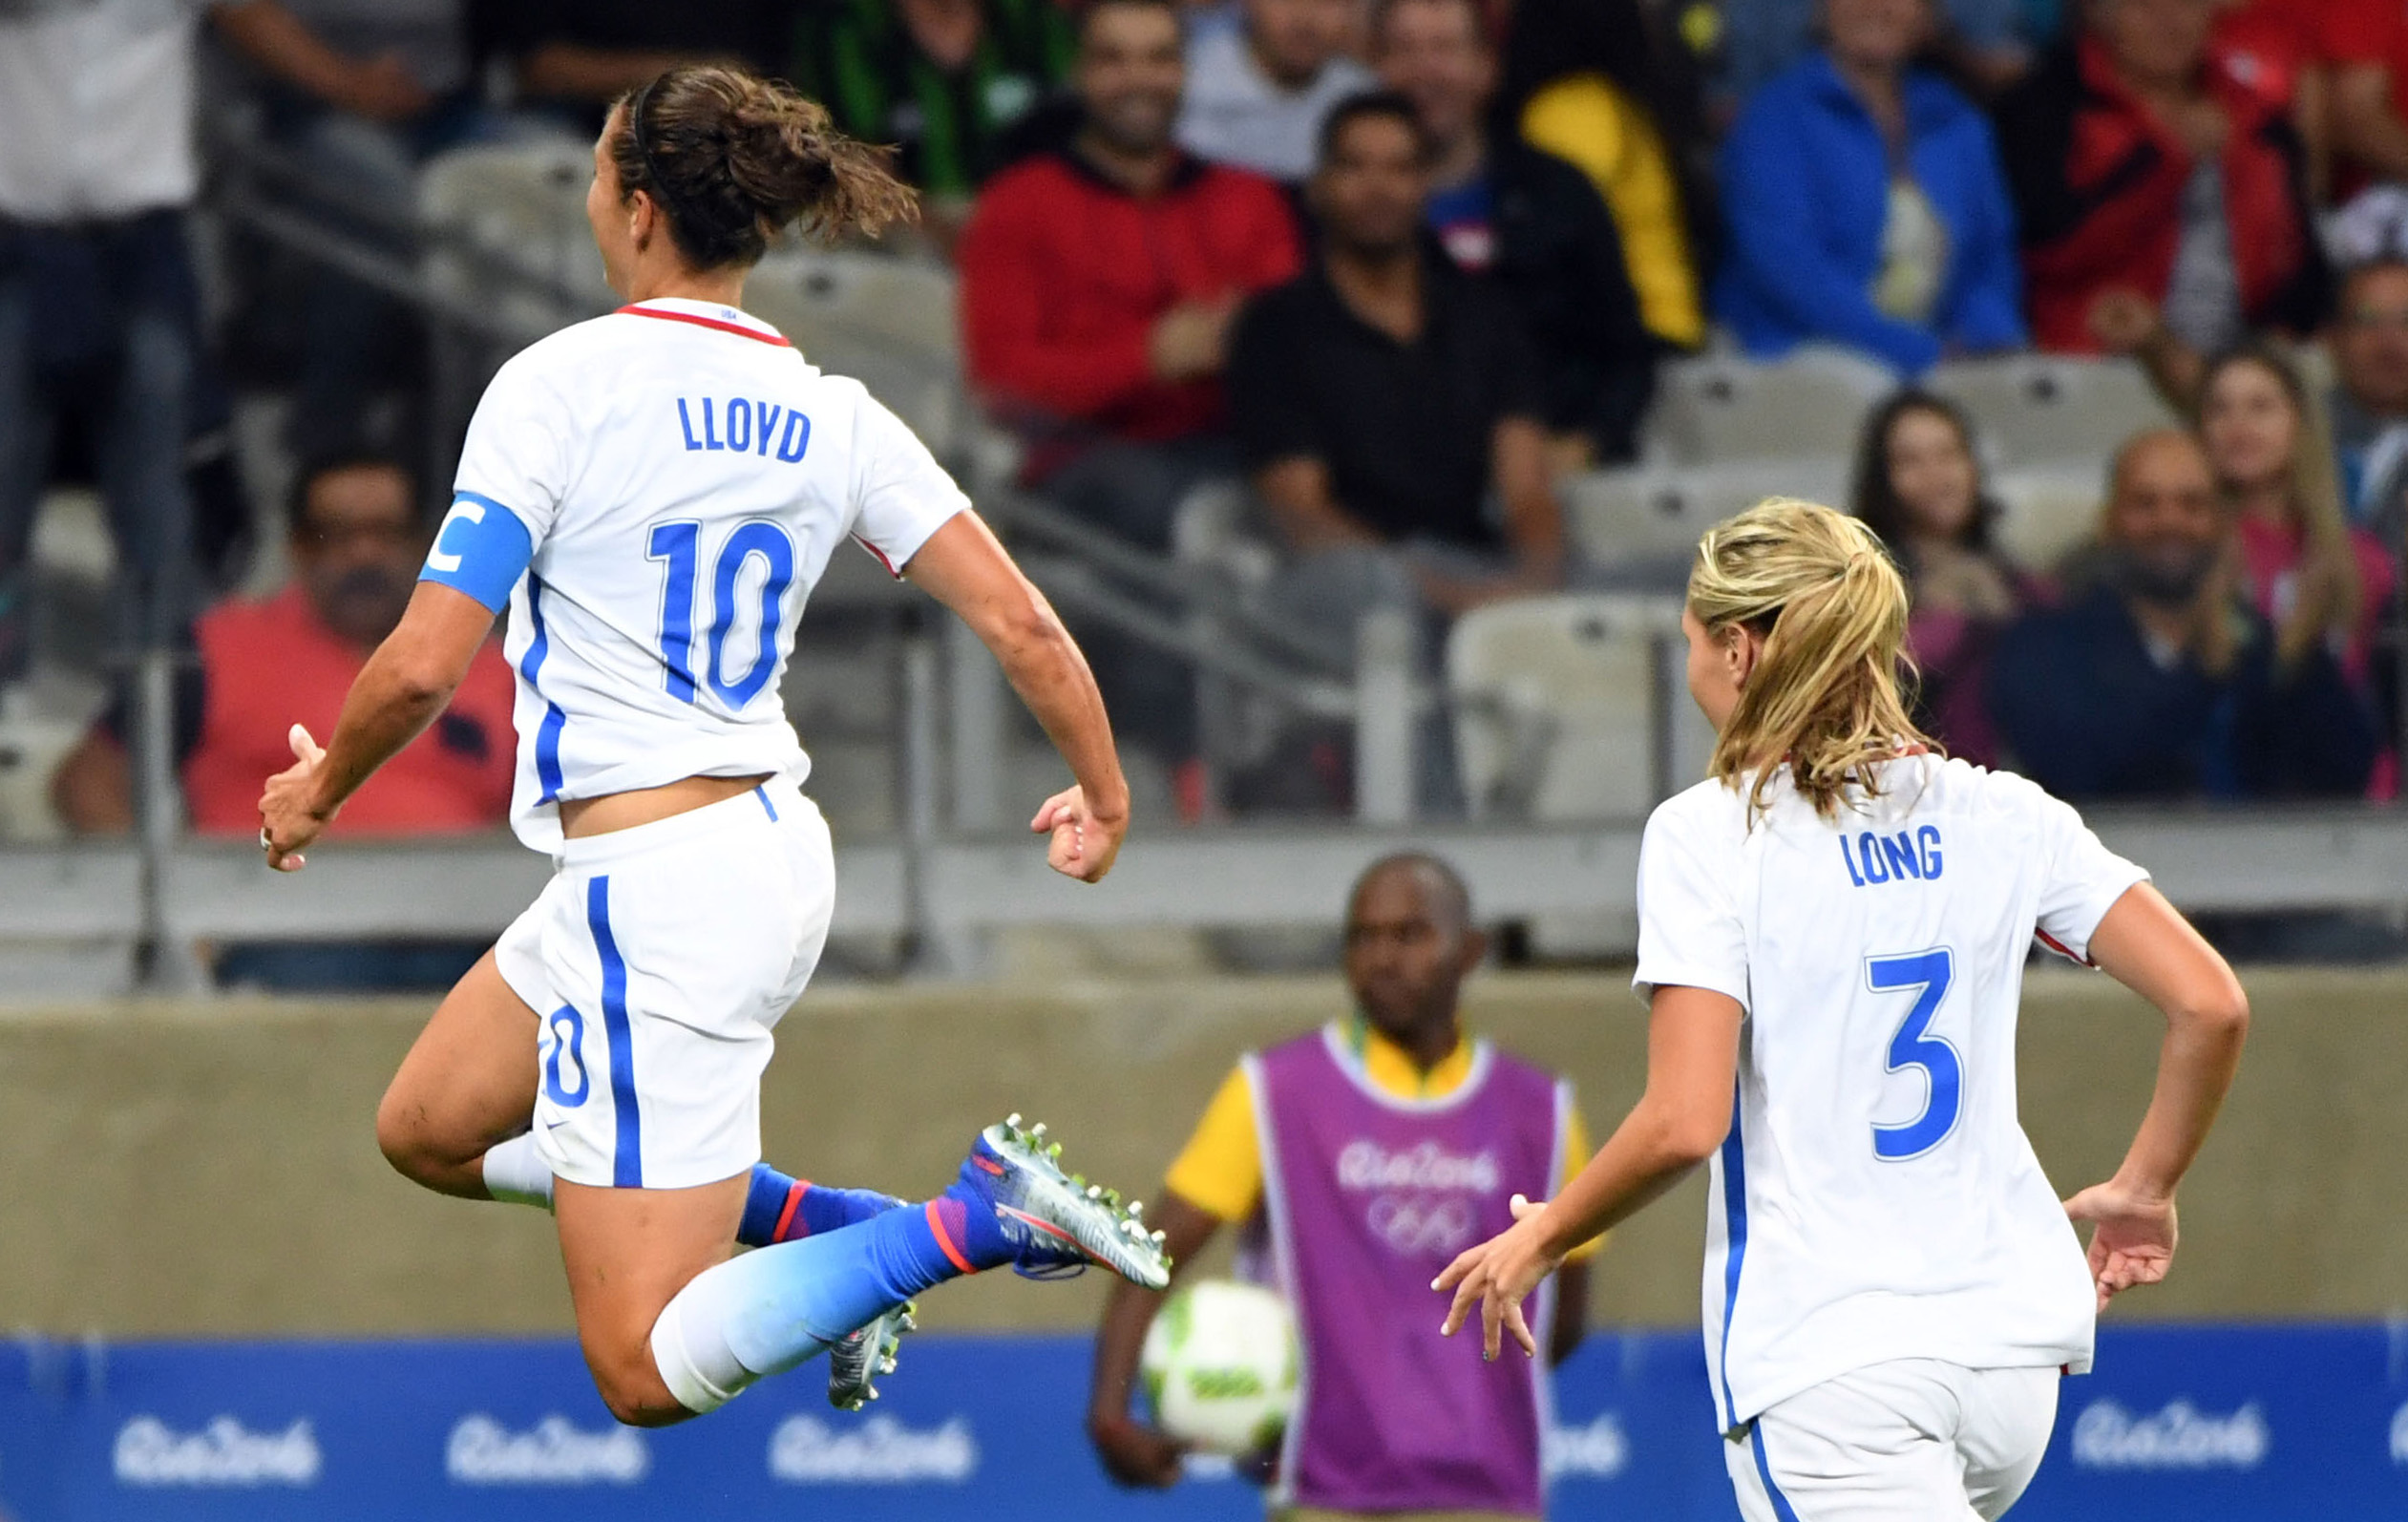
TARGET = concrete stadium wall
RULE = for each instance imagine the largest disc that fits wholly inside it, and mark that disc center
(210, 1169)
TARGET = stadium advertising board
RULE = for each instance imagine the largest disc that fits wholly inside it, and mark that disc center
(2246, 1425)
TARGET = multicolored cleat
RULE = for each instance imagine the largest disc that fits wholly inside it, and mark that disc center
(1057, 1223)
(866, 1355)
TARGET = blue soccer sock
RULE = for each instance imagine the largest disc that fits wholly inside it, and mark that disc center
(778, 1209)
(764, 1312)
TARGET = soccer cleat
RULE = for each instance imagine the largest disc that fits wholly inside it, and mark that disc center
(865, 1355)
(1059, 1223)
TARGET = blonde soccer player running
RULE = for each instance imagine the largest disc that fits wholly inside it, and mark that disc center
(1832, 933)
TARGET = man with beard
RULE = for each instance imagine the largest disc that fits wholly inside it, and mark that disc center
(1385, 1136)
(2160, 682)
(357, 541)
(1099, 285)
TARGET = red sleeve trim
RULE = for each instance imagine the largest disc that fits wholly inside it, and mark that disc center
(2061, 949)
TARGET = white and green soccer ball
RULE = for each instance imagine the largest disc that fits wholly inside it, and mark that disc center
(1220, 1365)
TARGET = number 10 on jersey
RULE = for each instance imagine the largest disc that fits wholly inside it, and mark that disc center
(1929, 974)
(678, 544)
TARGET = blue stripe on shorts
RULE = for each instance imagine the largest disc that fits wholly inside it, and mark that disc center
(627, 1167)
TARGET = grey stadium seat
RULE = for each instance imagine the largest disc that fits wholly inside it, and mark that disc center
(1723, 407)
(2055, 410)
(1638, 526)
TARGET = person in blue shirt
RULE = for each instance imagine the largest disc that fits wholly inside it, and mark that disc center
(1865, 206)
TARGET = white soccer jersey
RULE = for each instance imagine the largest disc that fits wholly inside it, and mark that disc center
(1878, 1198)
(671, 479)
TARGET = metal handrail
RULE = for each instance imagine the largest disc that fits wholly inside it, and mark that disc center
(1023, 512)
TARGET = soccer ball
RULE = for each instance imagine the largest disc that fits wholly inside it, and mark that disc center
(1220, 1365)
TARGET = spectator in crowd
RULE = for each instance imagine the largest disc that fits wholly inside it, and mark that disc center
(1383, 400)
(1529, 220)
(2159, 681)
(1099, 282)
(361, 92)
(1395, 1421)
(356, 540)
(2351, 52)
(2368, 403)
(2310, 575)
(2160, 199)
(1866, 204)
(946, 81)
(1256, 93)
(1586, 80)
(99, 315)
(1918, 485)
(1991, 42)
(577, 56)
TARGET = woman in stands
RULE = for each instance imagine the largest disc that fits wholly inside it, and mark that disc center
(2315, 579)
(1865, 206)
(1919, 486)
(1832, 933)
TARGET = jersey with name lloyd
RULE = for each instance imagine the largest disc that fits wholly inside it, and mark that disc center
(654, 493)
(1878, 1198)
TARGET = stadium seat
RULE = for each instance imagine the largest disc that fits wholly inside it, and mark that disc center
(31, 749)
(1722, 407)
(2052, 409)
(1640, 525)
(2047, 512)
(887, 322)
(1554, 699)
(510, 232)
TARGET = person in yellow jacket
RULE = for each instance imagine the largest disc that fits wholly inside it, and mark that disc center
(1572, 69)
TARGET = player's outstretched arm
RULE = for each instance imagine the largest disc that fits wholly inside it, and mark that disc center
(2144, 944)
(1132, 1452)
(963, 567)
(397, 695)
(1679, 1120)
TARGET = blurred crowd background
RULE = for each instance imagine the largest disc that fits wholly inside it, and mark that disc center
(1300, 346)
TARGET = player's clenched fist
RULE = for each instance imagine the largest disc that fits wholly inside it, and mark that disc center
(288, 810)
(1084, 841)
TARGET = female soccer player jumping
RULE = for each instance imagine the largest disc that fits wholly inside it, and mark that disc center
(653, 494)
(1832, 933)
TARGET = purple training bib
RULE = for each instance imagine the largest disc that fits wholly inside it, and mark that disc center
(1368, 1196)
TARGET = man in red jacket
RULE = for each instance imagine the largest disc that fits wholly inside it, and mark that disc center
(1099, 283)
(2158, 196)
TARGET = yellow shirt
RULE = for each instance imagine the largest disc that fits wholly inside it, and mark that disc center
(1220, 1169)
(1583, 117)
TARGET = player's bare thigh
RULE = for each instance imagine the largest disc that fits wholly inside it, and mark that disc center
(628, 1252)
(468, 1083)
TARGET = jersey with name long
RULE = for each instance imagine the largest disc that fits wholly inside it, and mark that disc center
(654, 493)
(1876, 1197)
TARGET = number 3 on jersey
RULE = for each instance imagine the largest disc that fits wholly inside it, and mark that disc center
(678, 545)
(1929, 973)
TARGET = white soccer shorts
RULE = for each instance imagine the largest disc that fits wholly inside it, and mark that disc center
(659, 959)
(1912, 1440)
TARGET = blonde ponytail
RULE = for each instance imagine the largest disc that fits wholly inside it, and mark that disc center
(1825, 694)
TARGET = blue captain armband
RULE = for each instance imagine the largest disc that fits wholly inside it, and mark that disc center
(481, 549)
